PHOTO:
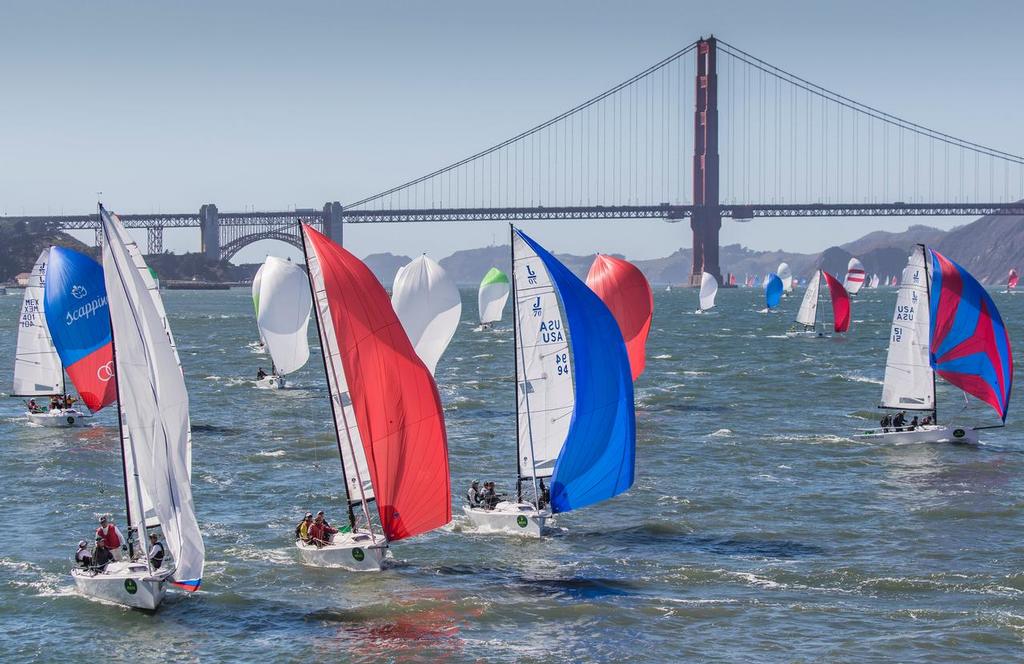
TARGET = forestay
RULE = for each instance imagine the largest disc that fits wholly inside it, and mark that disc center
(37, 368)
(428, 303)
(909, 383)
(494, 290)
(808, 313)
(154, 406)
(708, 291)
(394, 398)
(545, 395)
(283, 316)
(596, 461)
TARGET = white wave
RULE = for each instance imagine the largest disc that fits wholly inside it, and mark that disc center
(721, 433)
(275, 453)
(666, 356)
(860, 379)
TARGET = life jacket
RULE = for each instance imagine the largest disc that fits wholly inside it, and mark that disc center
(158, 557)
(110, 537)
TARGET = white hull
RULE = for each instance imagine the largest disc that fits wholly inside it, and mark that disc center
(271, 383)
(925, 434)
(64, 419)
(357, 552)
(510, 518)
(809, 334)
(124, 583)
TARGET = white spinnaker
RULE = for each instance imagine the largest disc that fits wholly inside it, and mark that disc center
(708, 291)
(37, 367)
(786, 274)
(428, 304)
(808, 313)
(256, 282)
(545, 392)
(353, 456)
(494, 291)
(909, 383)
(154, 405)
(855, 276)
(283, 317)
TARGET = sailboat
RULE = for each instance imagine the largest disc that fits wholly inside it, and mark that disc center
(855, 276)
(386, 410)
(1011, 281)
(574, 404)
(261, 345)
(772, 292)
(708, 291)
(786, 274)
(625, 291)
(491, 299)
(38, 371)
(874, 281)
(807, 316)
(944, 324)
(429, 305)
(283, 319)
(78, 320)
(155, 443)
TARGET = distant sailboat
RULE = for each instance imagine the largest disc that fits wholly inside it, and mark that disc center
(855, 276)
(944, 324)
(874, 281)
(786, 274)
(574, 405)
(1011, 280)
(772, 292)
(429, 305)
(624, 290)
(808, 313)
(708, 291)
(387, 414)
(78, 319)
(283, 319)
(493, 294)
(155, 441)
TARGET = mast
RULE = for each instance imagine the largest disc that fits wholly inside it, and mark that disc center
(344, 418)
(515, 360)
(140, 527)
(518, 342)
(928, 297)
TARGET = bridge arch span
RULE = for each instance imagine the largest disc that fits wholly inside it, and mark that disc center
(232, 247)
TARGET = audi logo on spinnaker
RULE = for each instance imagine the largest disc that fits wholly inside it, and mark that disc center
(79, 291)
(106, 371)
(86, 310)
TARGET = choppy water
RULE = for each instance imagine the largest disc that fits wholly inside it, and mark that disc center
(757, 528)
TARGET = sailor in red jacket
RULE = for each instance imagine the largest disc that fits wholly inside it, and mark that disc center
(112, 537)
(320, 532)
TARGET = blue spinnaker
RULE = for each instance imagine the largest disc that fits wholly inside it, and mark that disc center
(773, 291)
(597, 460)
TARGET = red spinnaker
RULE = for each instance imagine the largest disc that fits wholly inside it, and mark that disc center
(840, 302)
(625, 291)
(397, 407)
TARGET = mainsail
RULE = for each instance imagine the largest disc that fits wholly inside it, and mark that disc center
(154, 407)
(428, 303)
(840, 304)
(786, 274)
(808, 313)
(708, 291)
(596, 460)
(494, 290)
(624, 290)
(970, 346)
(909, 383)
(855, 276)
(383, 397)
(283, 317)
(78, 319)
(37, 368)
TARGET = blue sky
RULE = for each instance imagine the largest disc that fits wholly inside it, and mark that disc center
(166, 106)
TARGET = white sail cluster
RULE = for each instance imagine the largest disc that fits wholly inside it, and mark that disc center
(284, 304)
(429, 306)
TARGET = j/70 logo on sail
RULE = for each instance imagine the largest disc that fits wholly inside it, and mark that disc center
(106, 371)
(86, 310)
